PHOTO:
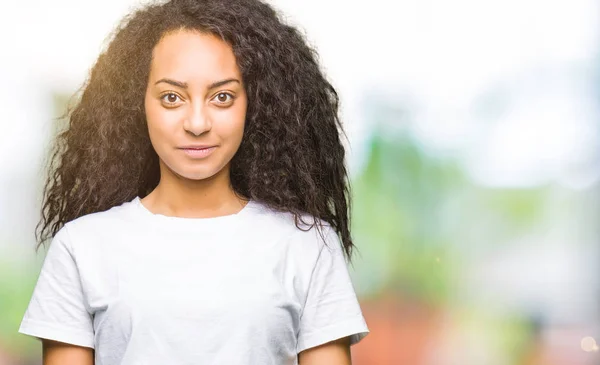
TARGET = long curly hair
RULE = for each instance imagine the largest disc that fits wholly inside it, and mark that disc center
(291, 157)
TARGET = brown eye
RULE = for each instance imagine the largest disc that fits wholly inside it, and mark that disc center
(223, 98)
(170, 98)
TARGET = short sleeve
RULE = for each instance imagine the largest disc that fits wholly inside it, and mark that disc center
(332, 310)
(57, 309)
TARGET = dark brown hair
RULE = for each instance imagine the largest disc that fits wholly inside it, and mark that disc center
(291, 156)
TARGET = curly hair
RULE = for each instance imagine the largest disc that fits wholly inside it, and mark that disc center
(291, 157)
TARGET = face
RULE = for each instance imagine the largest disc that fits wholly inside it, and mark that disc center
(195, 98)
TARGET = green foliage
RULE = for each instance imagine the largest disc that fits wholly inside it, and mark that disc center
(416, 217)
(400, 219)
(16, 287)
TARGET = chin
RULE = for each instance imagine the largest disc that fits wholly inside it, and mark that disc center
(186, 172)
(197, 175)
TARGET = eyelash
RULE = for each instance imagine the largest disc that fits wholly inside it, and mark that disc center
(162, 97)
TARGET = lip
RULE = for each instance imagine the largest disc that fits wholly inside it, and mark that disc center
(196, 147)
(196, 152)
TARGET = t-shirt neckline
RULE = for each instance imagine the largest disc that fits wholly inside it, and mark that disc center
(193, 223)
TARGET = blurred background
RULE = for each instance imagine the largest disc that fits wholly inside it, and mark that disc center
(473, 150)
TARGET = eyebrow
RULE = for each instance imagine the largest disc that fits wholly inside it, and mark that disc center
(184, 85)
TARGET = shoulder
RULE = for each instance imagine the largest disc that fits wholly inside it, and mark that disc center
(98, 224)
(111, 215)
(304, 232)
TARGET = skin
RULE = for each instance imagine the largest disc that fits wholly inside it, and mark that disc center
(210, 109)
(200, 113)
(54, 353)
(332, 353)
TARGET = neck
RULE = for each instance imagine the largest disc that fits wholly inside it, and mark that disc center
(177, 196)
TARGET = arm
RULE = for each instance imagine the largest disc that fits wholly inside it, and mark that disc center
(332, 353)
(331, 320)
(57, 313)
(59, 353)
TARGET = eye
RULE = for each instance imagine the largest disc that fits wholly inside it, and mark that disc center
(170, 98)
(223, 98)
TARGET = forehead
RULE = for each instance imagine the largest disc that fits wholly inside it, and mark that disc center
(189, 55)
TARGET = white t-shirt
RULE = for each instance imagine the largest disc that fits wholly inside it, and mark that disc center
(143, 288)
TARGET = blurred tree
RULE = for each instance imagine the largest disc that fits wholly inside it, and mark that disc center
(401, 219)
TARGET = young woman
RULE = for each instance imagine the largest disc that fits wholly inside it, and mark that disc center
(198, 202)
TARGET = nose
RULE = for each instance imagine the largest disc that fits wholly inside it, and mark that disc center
(197, 120)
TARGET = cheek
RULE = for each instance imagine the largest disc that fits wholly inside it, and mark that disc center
(240, 120)
(237, 130)
(159, 123)
(230, 125)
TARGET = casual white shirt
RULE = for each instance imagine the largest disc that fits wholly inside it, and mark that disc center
(143, 288)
